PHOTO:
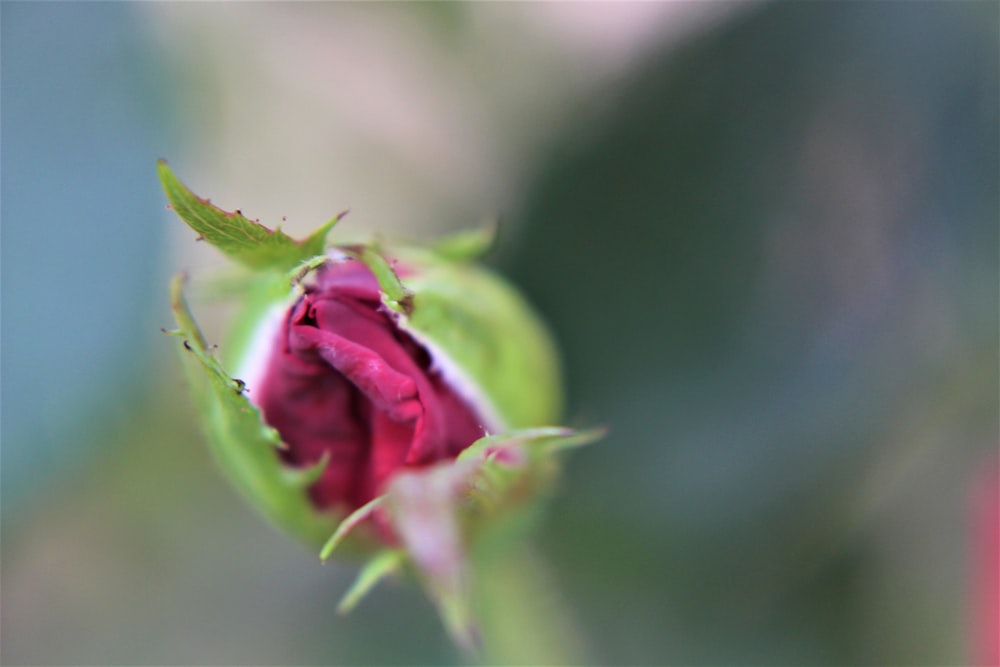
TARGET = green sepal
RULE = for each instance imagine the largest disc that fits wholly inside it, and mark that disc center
(349, 523)
(307, 476)
(516, 471)
(244, 446)
(383, 564)
(480, 495)
(492, 335)
(395, 295)
(544, 439)
(476, 325)
(467, 244)
(245, 241)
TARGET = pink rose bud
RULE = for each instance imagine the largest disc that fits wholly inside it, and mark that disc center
(416, 389)
(343, 381)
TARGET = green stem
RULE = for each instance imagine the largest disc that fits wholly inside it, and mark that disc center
(523, 619)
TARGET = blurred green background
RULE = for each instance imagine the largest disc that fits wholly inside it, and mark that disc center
(765, 234)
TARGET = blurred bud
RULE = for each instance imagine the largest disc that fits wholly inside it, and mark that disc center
(406, 390)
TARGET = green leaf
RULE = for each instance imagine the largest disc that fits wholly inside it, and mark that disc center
(244, 446)
(245, 241)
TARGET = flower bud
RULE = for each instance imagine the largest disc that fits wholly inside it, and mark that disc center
(406, 389)
(374, 390)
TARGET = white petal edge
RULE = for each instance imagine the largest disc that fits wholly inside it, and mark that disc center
(253, 363)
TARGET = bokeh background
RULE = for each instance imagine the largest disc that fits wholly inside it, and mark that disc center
(765, 234)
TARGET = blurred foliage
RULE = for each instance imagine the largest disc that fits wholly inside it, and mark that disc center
(777, 282)
(771, 258)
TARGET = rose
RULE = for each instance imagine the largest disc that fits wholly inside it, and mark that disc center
(409, 383)
(343, 381)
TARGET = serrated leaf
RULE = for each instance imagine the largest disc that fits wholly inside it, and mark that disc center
(245, 241)
(244, 446)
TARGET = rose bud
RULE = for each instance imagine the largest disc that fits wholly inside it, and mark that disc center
(408, 386)
(367, 387)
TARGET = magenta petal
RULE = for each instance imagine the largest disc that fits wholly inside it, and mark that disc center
(346, 383)
(390, 391)
(390, 445)
(297, 401)
(350, 279)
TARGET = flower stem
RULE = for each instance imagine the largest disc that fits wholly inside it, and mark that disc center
(524, 620)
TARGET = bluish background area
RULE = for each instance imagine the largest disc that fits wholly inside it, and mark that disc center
(767, 243)
(83, 257)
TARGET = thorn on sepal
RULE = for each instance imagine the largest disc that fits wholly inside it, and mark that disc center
(305, 476)
(406, 303)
